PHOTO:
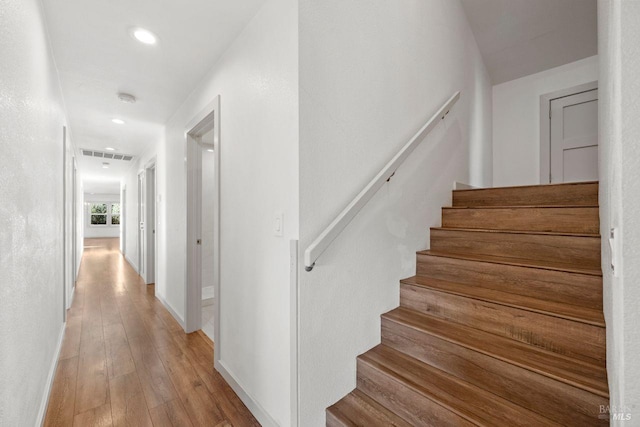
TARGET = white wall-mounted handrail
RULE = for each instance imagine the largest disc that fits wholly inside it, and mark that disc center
(322, 242)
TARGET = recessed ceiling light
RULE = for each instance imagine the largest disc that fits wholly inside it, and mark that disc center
(210, 150)
(144, 36)
(110, 149)
(118, 121)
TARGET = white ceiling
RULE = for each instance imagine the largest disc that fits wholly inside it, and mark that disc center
(522, 37)
(97, 57)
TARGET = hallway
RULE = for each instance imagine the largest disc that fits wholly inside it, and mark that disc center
(126, 361)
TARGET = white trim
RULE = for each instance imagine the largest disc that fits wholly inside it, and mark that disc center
(254, 407)
(52, 373)
(545, 124)
(73, 294)
(293, 337)
(208, 118)
(131, 263)
(171, 310)
(462, 186)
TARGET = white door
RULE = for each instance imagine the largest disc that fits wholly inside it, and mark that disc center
(150, 222)
(574, 137)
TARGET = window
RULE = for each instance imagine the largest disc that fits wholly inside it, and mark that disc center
(99, 214)
(104, 213)
(115, 214)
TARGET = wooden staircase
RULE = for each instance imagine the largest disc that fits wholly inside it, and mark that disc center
(501, 326)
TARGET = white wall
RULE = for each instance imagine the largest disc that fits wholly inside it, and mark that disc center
(31, 263)
(516, 119)
(93, 231)
(371, 74)
(619, 156)
(257, 79)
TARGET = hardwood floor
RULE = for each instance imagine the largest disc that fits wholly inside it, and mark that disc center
(126, 361)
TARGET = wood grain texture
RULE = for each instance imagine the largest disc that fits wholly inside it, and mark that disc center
(544, 284)
(60, 410)
(572, 194)
(111, 371)
(574, 219)
(414, 388)
(128, 407)
(570, 338)
(560, 310)
(554, 399)
(359, 410)
(170, 414)
(502, 324)
(96, 417)
(586, 376)
(577, 250)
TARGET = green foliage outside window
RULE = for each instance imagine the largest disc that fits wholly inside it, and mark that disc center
(115, 214)
(100, 213)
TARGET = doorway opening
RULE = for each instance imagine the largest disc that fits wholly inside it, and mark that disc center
(569, 135)
(150, 222)
(203, 297)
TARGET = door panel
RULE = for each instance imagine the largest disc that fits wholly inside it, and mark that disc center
(574, 137)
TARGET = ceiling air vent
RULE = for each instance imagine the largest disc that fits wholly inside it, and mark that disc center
(101, 154)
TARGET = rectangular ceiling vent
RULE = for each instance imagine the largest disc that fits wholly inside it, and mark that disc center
(114, 156)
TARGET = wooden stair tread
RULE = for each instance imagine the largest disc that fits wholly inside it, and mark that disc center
(472, 403)
(519, 207)
(579, 193)
(546, 265)
(358, 410)
(543, 233)
(578, 373)
(533, 186)
(551, 308)
(555, 218)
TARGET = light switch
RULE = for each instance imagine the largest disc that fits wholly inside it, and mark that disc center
(278, 224)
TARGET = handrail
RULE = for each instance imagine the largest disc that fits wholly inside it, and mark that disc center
(322, 242)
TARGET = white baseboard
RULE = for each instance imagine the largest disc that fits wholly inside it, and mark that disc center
(462, 186)
(132, 264)
(49, 385)
(73, 294)
(258, 411)
(171, 310)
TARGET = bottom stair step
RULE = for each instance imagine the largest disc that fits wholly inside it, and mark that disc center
(358, 410)
(426, 396)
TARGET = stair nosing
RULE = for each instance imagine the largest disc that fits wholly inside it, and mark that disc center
(531, 186)
(599, 323)
(522, 207)
(490, 353)
(510, 261)
(359, 394)
(527, 232)
(427, 394)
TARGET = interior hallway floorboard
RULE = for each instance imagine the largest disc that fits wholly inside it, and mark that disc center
(126, 361)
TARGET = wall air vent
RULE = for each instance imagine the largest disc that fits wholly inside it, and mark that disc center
(101, 154)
